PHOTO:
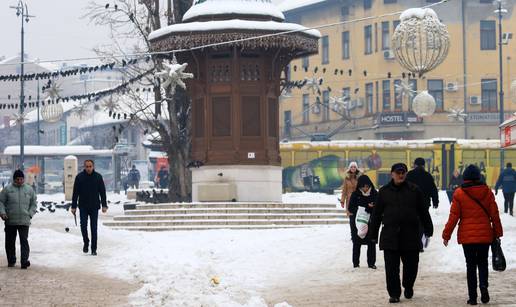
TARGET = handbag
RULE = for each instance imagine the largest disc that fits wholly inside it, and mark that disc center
(498, 258)
(362, 222)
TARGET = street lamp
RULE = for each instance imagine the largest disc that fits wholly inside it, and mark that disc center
(23, 12)
(500, 11)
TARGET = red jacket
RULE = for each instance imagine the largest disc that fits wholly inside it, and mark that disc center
(474, 226)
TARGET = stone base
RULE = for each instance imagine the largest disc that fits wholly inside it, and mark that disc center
(248, 183)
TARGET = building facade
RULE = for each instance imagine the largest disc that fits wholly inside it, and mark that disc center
(355, 61)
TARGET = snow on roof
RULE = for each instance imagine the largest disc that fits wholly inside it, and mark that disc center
(289, 5)
(226, 7)
(419, 13)
(234, 24)
(16, 59)
(34, 150)
(157, 154)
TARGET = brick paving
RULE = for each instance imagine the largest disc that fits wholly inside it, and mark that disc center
(41, 286)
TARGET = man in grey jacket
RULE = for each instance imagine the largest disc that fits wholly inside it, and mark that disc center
(17, 207)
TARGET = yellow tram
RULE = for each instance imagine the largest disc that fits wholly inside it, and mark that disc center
(320, 166)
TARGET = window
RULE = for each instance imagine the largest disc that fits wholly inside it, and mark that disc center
(325, 42)
(435, 88)
(369, 97)
(395, 24)
(389, 1)
(386, 39)
(326, 106)
(221, 116)
(368, 39)
(368, 4)
(487, 35)
(346, 93)
(413, 87)
(345, 45)
(398, 95)
(306, 108)
(489, 97)
(287, 123)
(344, 12)
(251, 124)
(386, 98)
(305, 63)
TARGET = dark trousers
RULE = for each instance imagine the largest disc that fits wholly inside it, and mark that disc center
(10, 242)
(410, 261)
(508, 203)
(93, 214)
(476, 257)
(371, 253)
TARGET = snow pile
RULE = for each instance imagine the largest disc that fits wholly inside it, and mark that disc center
(418, 13)
(226, 267)
(226, 7)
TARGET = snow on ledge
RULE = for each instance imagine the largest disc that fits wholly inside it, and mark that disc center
(233, 24)
(290, 5)
(418, 13)
(41, 150)
(244, 7)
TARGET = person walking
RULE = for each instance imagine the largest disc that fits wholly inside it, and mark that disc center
(363, 197)
(400, 207)
(163, 178)
(507, 180)
(17, 207)
(349, 185)
(425, 181)
(134, 178)
(89, 192)
(474, 209)
(455, 182)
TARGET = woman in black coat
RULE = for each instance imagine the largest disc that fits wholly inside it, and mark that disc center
(364, 196)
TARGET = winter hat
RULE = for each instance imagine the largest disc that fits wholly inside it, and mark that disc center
(419, 161)
(364, 180)
(18, 173)
(472, 172)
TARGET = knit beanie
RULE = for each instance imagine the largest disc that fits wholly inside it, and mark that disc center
(18, 173)
(472, 172)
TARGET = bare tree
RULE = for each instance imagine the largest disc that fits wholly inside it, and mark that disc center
(167, 114)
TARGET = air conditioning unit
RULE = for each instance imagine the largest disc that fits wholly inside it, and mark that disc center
(475, 100)
(452, 86)
(506, 37)
(388, 54)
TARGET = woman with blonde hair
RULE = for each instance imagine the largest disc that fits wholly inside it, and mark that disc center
(349, 185)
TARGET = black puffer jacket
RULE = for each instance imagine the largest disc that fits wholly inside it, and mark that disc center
(399, 209)
(424, 180)
(360, 200)
(89, 191)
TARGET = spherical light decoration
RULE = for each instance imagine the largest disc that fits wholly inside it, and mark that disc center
(420, 42)
(423, 104)
(52, 112)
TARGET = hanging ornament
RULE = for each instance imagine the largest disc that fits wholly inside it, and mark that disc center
(314, 84)
(340, 103)
(81, 110)
(111, 105)
(423, 104)
(405, 89)
(18, 118)
(52, 112)
(456, 114)
(53, 91)
(173, 75)
(420, 42)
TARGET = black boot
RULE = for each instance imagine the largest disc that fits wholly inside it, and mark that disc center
(472, 301)
(409, 293)
(484, 295)
(393, 300)
(85, 248)
(25, 265)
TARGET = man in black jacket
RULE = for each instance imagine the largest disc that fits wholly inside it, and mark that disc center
(90, 191)
(425, 181)
(400, 207)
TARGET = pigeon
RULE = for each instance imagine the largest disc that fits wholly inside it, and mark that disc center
(67, 229)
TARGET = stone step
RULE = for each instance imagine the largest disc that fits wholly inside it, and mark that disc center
(223, 227)
(231, 216)
(232, 211)
(141, 206)
(235, 222)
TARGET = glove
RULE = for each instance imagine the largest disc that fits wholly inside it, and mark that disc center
(496, 192)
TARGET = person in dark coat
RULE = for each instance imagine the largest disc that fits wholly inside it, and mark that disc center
(455, 182)
(474, 208)
(425, 181)
(364, 196)
(163, 178)
(133, 178)
(89, 192)
(507, 180)
(400, 207)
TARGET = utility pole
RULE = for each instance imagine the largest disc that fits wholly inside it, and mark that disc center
(23, 12)
(500, 12)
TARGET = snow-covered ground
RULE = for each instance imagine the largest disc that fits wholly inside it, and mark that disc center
(221, 267)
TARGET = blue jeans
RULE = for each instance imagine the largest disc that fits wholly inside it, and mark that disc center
(93, 214)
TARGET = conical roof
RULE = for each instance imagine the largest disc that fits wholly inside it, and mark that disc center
(205, 10)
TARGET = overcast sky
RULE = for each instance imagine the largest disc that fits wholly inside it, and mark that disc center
(56, 32)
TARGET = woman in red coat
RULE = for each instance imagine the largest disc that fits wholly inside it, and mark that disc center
(475, 231)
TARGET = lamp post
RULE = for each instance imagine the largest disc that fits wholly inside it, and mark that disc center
(23, 12)
(500, 11)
